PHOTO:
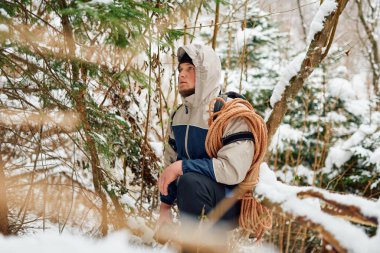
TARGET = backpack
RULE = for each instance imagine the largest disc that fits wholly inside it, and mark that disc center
(217, 107)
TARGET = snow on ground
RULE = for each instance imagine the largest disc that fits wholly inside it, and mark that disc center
(48, 242)
(258, 248)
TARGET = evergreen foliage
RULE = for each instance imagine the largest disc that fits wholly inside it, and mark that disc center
(80, 57)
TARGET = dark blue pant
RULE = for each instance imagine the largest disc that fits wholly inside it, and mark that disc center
(196, 192)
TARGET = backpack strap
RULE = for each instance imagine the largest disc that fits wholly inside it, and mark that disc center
(240, 136)
(231, 94)
(172, 144)
(171, 141)
(172, 117)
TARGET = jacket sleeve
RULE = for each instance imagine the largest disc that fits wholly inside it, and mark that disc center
(172, 194)
(170, 156)
(232, 162)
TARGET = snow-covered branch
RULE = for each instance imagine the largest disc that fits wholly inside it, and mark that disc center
(321, 33)
(318, 208)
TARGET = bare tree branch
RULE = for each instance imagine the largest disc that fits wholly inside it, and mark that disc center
(374, 51)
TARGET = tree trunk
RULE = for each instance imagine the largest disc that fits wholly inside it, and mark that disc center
(373, 52)
(216, 25)
(4, 223)
(314, 57)
(302, 19)
(98, 178)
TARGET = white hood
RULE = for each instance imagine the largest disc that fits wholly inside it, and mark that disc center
(207, 71)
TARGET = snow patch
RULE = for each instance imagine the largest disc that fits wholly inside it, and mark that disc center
(359, 136)
(3, 81)
(286, 74)
(303, 171)
(341, 88)
(342, 151)
(4, 13)
(336, 117)
(327, 7)
(359, 108)
(337, 156)
(359, 85)
(157, 147)
(47, 242)
(285, 134)
(101, 2)
(4, 28)
(375, 158)
(128, 200)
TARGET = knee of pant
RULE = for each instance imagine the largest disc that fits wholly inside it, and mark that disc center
(187, 181)
(193, 195)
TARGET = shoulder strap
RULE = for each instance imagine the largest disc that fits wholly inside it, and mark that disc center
(230, 94)
(240, 136)
(172, 144)
(172, 117)
(171, 141)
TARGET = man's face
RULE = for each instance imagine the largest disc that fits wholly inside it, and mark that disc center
(186, 79)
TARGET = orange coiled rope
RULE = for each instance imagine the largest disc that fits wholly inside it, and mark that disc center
(254, 217)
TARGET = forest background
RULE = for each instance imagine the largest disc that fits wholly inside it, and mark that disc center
(87, 89)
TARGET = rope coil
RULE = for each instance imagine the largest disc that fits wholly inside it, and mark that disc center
(254, 217)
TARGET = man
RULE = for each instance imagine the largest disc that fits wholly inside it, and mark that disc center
(195, 180)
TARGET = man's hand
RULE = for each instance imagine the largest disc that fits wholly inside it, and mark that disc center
(169, 174)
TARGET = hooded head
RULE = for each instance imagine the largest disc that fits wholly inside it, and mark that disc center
(186, 76)
(207, 71)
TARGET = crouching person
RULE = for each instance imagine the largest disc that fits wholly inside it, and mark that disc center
(193, 180)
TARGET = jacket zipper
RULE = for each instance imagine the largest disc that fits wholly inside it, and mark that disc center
(187, 132)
